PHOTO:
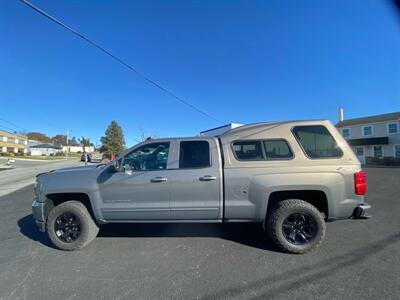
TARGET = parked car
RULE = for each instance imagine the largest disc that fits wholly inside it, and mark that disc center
(89, 157)
(290, 177)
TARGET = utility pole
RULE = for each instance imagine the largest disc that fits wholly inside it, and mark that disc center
(66, 156)
(84, 150)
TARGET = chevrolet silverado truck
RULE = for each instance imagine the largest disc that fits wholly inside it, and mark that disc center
(291, 177)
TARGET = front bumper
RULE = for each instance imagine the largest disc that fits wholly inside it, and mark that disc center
(38, 214)
(361, 211)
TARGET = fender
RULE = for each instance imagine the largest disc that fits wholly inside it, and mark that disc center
(262, 186)
(70, 182)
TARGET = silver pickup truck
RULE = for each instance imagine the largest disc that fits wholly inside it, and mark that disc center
(290, 177)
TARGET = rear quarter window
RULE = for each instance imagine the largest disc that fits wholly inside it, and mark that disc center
(247, 150)
(277, 149)
(317, 142)
(271, 149)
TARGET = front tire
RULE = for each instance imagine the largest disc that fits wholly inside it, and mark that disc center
(296, 226)
(70, 226)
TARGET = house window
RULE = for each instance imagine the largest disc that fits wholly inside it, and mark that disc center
(367, 130)
(360, 151)
(397, 151)
(393, 128)
(378, 151)
(346, 132)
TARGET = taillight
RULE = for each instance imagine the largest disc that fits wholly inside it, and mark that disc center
(359, 183)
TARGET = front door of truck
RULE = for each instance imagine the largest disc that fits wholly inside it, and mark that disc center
(196, 181)
(141, 190)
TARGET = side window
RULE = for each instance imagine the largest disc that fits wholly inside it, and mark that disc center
(277, 149)
(194, 154)
(147, 157)
(247, 150)
(317, 142)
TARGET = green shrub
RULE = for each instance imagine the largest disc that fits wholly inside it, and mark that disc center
(5, 154)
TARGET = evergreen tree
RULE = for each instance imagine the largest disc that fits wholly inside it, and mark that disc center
(113, 142)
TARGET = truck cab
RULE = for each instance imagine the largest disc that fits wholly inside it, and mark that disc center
(166, 179)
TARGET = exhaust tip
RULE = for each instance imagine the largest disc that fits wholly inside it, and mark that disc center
(360, 212)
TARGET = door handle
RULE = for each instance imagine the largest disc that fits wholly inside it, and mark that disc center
(207, 178)
(158, 179)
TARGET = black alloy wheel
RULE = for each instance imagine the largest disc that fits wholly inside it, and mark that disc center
(67, 227)
(299, 228)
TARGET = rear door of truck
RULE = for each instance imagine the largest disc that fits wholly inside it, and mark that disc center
(196, 180)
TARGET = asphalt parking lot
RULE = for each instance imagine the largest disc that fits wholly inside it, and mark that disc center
(358, 259)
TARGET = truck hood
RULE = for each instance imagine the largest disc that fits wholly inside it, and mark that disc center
(76, 179)
(72, 169)
(77, 169)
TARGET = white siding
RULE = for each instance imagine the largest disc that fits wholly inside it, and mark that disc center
(378, 130)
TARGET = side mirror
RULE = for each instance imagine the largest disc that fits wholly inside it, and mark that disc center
(114, 166)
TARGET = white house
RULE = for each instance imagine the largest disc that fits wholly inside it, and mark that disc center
(75, 149)
(374, 136)
(44, 149)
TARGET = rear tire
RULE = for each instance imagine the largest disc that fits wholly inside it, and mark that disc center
(296, 226)
(70, 226)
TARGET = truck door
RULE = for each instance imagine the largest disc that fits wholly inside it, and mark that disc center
(141, 190)
(196, 181)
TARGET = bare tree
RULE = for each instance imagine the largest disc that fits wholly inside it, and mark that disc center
(146, 135)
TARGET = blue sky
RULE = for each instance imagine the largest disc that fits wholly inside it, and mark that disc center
(241, 61)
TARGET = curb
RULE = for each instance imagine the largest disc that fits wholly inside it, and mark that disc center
(3, 168)
(32, 159)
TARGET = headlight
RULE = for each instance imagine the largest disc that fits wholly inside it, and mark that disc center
(36, 189)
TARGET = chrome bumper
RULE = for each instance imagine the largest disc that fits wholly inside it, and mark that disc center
(361, 211)
(38, 214)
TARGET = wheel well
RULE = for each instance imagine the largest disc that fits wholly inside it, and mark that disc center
(314, 197)
(58, 198)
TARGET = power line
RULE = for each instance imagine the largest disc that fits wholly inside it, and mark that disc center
(145, 77)
(27, 130)
(13, 124)
(8, 128)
